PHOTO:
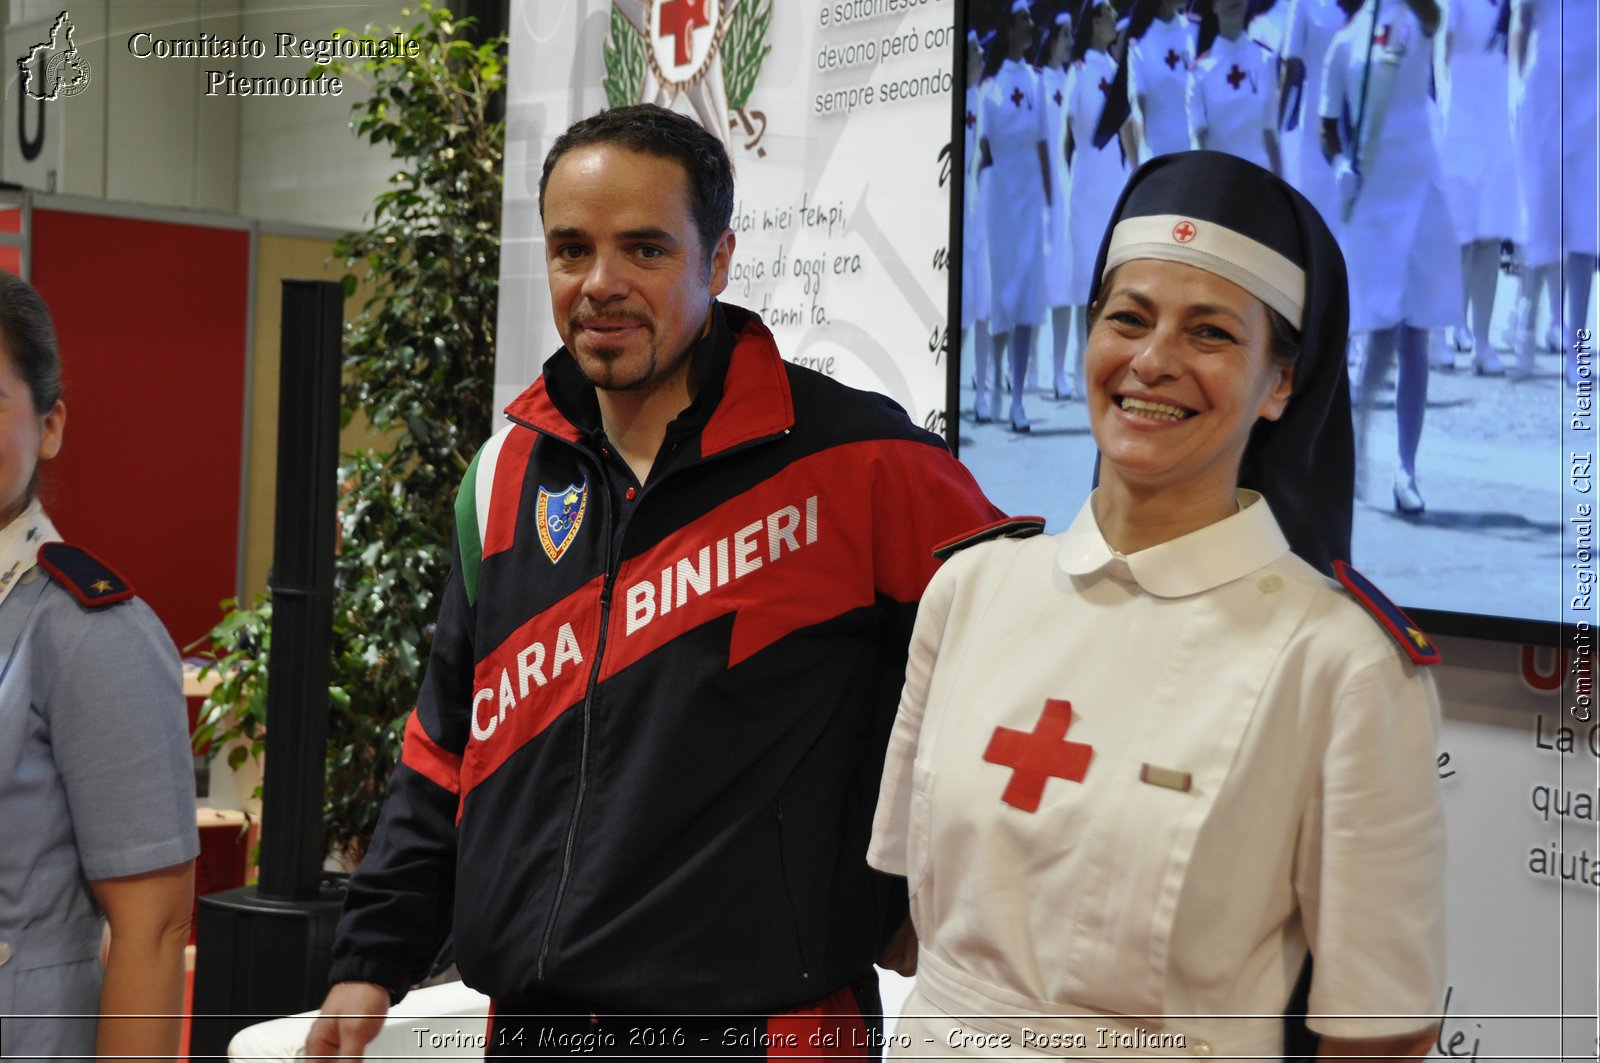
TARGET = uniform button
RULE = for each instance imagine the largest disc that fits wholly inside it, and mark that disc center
(1200, 1048)
(631, 493)
(5, 953)
(1271, 583)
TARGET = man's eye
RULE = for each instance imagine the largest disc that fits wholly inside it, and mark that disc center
(650, 251)
(569, 251)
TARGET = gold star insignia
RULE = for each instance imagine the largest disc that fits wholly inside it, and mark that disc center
(100, 586)
(1418, 637)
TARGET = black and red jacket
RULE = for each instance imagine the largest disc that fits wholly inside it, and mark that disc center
(642, 768)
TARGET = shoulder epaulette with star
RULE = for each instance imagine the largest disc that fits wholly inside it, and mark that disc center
(1009, 528)
(84, 576)
(1411, 638)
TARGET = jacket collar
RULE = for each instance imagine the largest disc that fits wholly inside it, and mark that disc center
(739, 372)
(1190, 564)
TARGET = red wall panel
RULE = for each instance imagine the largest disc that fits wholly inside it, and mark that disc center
(152, 319)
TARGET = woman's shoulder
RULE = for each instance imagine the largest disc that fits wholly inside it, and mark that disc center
(1351, 614)
(85, 601)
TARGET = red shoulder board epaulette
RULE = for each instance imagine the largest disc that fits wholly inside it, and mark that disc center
(1010, 528)
(85, 576)
(1394, 620)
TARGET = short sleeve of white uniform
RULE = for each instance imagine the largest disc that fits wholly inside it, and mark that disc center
(1131, 57)
(1195, 101)
(119, 735)
(1269, 92)
(1369, 870)
(892, 823)
(1330, 100)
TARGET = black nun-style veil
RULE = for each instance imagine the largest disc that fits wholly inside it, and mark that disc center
(1304, 462)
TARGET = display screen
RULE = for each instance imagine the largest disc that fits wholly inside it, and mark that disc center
(1476, 147)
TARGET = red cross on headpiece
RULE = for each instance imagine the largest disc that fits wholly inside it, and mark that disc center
(1235, 77)
(1105, 87)
(1058, 97)
(680, 18)
(1184, 231)
(1173, 58)
(972, 120)
(1035, 756)
(1017, 97)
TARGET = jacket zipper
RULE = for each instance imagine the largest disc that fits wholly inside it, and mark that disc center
(588, 707)
(613, 563)
(788, 893)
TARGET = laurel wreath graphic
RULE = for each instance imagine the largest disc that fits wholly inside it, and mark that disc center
(741, 34)
(626, 56)
(744, 50)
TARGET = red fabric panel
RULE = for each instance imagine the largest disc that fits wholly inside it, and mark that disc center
(151, 318)
(832, 1028)
(427, 758)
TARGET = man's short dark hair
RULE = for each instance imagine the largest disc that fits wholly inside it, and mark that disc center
(652, 130)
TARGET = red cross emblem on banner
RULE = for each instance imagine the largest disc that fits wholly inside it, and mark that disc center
(1038, 755)
(1017, 97)
(1172, 58)
(1382, 36)
(1235, 76)
(1184, 231)
(679, 19)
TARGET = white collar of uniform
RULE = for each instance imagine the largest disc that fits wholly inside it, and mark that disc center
(19, 545)
(1190, 564)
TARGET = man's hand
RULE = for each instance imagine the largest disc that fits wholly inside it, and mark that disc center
(900, 954)
(351, 1017)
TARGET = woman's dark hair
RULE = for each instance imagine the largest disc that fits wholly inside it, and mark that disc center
(30, 339)
(651, 130)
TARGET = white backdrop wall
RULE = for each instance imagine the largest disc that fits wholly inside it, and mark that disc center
(842, 210)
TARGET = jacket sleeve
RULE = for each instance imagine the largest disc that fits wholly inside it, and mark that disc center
(926, 497)
(398, 909)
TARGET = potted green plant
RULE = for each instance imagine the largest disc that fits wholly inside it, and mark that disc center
(419, 365)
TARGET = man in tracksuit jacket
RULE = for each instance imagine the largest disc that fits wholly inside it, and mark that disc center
(641, 771)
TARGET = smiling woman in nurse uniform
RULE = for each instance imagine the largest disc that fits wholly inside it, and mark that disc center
(1142, 767)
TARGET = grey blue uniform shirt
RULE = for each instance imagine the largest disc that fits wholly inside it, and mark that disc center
(96, 781)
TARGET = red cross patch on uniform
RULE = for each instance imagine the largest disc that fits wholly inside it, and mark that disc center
(84, 576)
(1037, 756)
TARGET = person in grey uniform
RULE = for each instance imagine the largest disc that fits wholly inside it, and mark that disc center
(96, 777)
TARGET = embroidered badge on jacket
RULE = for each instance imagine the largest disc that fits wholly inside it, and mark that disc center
(559, 515)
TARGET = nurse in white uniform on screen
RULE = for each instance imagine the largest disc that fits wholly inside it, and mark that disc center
(1311, 26)
(1098, 174)
(1398, 236)
(975, 284)
(1477, 156)
(1161, 48)
(1016, 132)
(1553, 57)
(1233, 89)
(1058, 279)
